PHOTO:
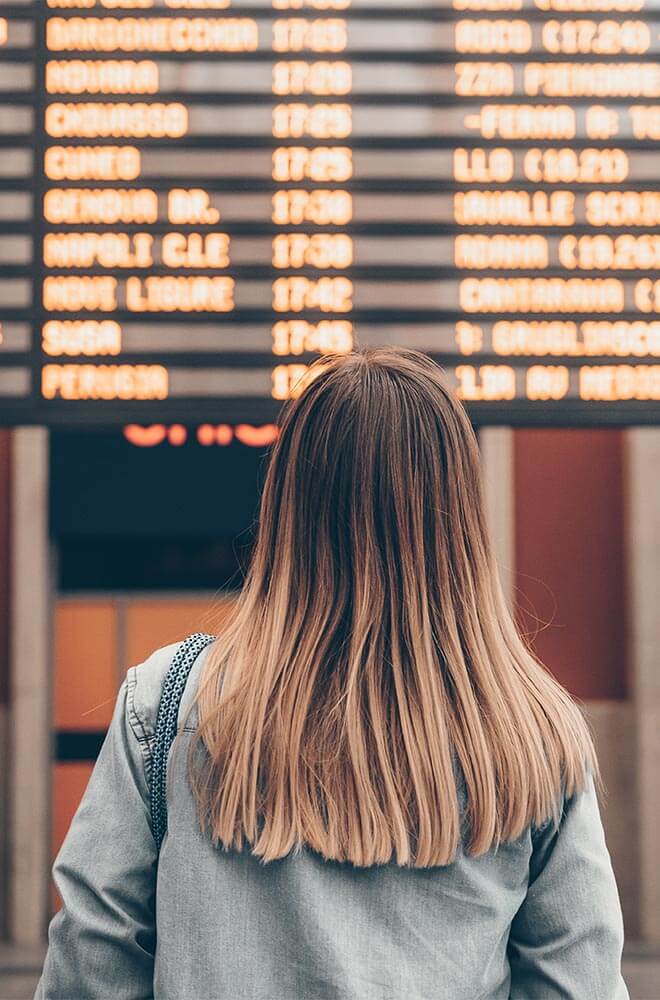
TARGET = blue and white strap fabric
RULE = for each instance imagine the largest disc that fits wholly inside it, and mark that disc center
(166, 723)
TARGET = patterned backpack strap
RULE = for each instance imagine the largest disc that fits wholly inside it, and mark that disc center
(166, 723)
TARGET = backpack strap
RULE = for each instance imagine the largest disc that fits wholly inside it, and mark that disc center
(166, 723)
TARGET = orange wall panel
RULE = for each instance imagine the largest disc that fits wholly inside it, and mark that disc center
(5, 516)
(154, 623)
(85, 664)
(569, 544)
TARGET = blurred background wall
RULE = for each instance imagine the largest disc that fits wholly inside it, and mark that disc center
(109, 550)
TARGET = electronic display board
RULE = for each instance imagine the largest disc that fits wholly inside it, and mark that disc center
(197, 197)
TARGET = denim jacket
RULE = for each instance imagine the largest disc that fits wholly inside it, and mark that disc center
(537, 919)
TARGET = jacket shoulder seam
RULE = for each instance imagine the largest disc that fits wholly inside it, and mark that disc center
(137, 727)
(136, 722)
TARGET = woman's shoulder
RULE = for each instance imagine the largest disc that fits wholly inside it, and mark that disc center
(144, 684)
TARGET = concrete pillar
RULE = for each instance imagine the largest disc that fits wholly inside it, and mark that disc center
(496, 444)
(30, 689)
(643, 561)
(5, 506)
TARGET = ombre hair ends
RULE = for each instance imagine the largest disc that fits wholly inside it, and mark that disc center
(371, 676)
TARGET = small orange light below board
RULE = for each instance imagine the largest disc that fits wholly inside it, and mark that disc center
(204, 434)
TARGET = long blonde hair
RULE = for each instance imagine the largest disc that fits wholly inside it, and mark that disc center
(370, 663)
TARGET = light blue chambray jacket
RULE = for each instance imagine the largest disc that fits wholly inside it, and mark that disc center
(539, 919)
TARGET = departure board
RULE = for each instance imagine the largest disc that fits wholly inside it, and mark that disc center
(199, 197)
